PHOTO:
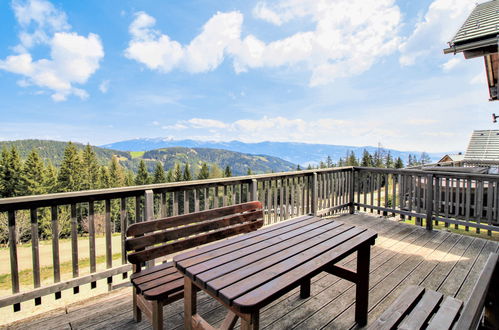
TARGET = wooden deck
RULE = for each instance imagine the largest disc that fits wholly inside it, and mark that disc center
(403, 255)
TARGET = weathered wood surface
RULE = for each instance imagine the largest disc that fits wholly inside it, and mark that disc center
(403, 255)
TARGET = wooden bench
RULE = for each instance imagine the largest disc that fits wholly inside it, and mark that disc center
(418, 308)
(162, 284)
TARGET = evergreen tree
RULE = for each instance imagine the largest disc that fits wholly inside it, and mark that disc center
(69, 178)
(142, 174)
(116, 173)
(4, 163)
(159, 173)
(389, 160)
(169, 175)
(186, 176)
(341, 162)
(227, 172)
(298, 168)
(216, 172)
(11, 174)
(367, 159)
(90, 169)
(204, 172)
(50, 182)
(309, 167)
(322, 164)
(129, 179)
(399, 163)
(177, 173)
(249, 171)
(352, 160)
(425, 158)
(104, 178)
(329, 162)
(34, 174)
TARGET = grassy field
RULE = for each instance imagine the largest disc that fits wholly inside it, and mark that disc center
(137, 154)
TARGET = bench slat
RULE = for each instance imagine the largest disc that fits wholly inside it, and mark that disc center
(158, 282)
(165, 223)
(192, 229)
(163, 291)
(394, 314)
(423, 311)
(446, 314)
(169, 248)
(154, 275)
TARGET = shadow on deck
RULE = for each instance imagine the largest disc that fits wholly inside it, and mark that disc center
(403, 255)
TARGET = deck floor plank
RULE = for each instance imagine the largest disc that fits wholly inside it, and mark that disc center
(403, 255)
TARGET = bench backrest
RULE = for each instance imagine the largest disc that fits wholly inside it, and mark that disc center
(156, 238)
(485, 294)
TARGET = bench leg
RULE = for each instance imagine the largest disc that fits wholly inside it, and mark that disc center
(137, 313)
(305, 288)
(157, 315)
(252, 322)
(362, 290)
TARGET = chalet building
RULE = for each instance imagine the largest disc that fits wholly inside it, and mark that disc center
(478, 37)
(452, 158)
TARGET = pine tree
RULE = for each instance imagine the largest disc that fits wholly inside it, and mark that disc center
(11, 176)
(329, 162)
(177, 173)
(69, 178)
(50, 182)
(129, 179)
(104, 178)
(250, 173)
(399, 163)
(227, 172)
(367, 159)
(298, 168)
(204, 172)
(216, 172)
(187, 176)
(352, 160)
(142, 174)
(159, 173)
(169, 175)
(4, 163)
(34, 174)
(116, 173)
(389, 160)
(309, 167)
(90, 169)
(425, 158)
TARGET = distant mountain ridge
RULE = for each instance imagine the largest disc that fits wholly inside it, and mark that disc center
(239, 163)
(298, 153)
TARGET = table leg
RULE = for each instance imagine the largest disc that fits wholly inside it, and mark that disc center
(190, 302)
(362, 289)
(252, 322)
(305, 288)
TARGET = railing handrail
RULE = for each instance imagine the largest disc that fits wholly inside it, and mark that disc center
(493, 177)
(27, 202)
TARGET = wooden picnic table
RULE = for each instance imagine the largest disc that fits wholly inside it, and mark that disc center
(247, 272)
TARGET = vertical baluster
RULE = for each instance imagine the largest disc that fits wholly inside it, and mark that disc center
(215, 197)
(91, 237)
(14, 268)
(371, 190)
(109, 243)
(138, 213)
(35, 253)
(268, 205)
(285, 202)
(479, 191)
(233, 194)
(394, 193)
(457, 212)
(401, 194)
(55, 248)
(206, 198)
(175, 202)
(74, 245)
(385, 179)
(281, 198)
(360, 183)
(378, 183)
(224, 197)
(196, 199)
(468, 203)
(446, 200)
(186, 201)
(123, 226)
(293, 211)
(490, 187)
(364, 189)
(418, 199)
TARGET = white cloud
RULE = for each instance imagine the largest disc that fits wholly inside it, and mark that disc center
(451, 64)
(347, 38)
(73, 58)
(104, 86)
(479, 79)
(441, 21)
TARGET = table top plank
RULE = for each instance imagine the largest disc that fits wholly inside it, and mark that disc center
(228, 263)
(230, 292)
(423, 310)
(213, 248)
(266, 293)
(235, 251)
(251, 265)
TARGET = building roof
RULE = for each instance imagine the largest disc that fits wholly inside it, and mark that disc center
(452, 158)
(484, 145)
(480, 30)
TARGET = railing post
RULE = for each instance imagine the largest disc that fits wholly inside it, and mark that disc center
(314, 200)
(352, 192)
(148, 205)
(429, 201)
(13, 255)
(253, 190)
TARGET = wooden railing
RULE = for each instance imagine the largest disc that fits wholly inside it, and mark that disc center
(283, 195)
(457, 199)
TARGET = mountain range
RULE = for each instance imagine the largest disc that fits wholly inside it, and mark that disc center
(298, 153)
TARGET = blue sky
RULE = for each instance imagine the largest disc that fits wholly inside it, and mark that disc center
(349, 72)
